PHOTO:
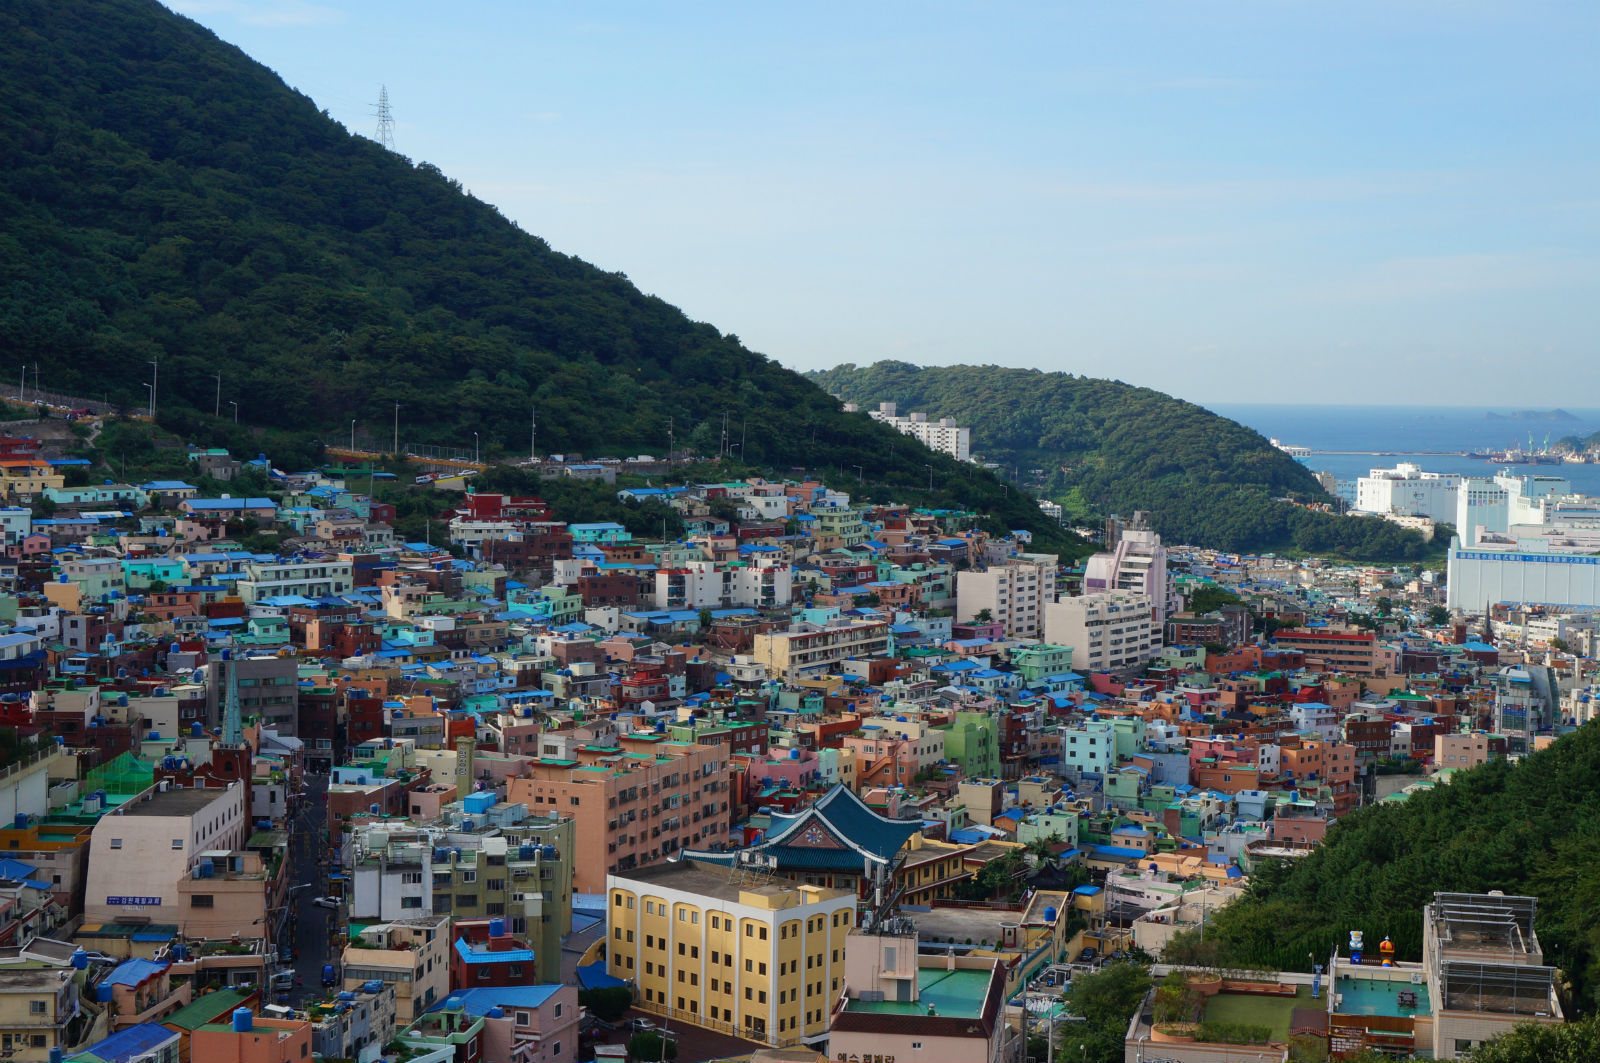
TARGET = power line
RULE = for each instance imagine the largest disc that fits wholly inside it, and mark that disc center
(385, 119)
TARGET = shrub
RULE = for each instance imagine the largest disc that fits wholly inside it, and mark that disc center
(1233, 1033)
(610, 1003)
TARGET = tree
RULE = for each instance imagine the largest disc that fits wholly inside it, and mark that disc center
(1573, 1042)
(1559, 644)
(983, 617)
(648, 1045)
(1106, 999)
(609, 1003)
(1438, 615)
(1385, 606)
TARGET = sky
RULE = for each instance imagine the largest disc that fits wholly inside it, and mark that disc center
(1370, 201)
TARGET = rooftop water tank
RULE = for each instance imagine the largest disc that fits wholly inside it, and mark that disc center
(497, 1012)
(80, 959)
(347, 995)
(241, 1020)
(497, 928)
(1050, 914)
(372, 986)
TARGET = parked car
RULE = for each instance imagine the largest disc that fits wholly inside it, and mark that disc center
(640, 1024)
(1088, 955)
(326, 902)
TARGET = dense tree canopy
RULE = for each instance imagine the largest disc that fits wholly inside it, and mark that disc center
(1101, 446)
(168, 199)
(1531, 828)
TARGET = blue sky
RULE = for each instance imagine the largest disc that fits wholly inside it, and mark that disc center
(1392, 201)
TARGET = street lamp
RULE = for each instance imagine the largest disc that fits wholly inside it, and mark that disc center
(474, 448)
(352, 433)
(859, 474)
(150, 401)
(925, 465)
(397, 428)
(235, 406)
(155, 382)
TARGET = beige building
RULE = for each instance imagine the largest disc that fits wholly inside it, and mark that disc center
(37, 1006)
(410, 954)
(1107, 631)
(632, 806)
(739, 953)
(142, 852)
(1466, 750)
(1014, 592)
(807, 651)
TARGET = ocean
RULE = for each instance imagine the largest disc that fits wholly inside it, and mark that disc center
(1356, 439)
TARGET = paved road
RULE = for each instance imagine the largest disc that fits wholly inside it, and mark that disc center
(309, 925)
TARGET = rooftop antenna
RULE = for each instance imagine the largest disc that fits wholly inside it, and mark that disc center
(385, 119)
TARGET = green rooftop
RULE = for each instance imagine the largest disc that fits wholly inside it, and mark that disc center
(203, 1011)
(954, 994)
(1273, 1012)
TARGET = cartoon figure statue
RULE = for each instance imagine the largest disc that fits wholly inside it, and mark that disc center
(1355, 947)
(1386, 950)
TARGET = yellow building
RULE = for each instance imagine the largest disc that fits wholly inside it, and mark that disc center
(730, 950)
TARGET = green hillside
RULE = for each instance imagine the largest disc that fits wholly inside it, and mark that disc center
(1101, 447)
(1529, 829)
(165, 197)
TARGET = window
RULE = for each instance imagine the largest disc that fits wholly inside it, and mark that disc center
(177, 843)
(558, 1015)
(411, 902)
(522, 1019)
(116, 843)
(36, 1007)
(200, 900)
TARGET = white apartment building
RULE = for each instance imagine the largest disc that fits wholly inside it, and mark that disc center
(942, 435)
(141, 850)
(310, 579)
(1107, 631)
(761, 583)
(1014, 592)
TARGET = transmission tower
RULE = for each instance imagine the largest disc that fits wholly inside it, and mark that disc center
(385, 119)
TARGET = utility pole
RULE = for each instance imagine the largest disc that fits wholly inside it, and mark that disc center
(352, 433)
(385, 119)
(218, 411)
(155, 383)
(670, 441)
(722, 451)
(533, 437)
(397, 428)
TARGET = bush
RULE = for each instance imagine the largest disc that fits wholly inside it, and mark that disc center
(610, 1003)
(647, 1045)
(1232, 1033)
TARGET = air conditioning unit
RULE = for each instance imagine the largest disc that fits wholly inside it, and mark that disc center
(1416, 977)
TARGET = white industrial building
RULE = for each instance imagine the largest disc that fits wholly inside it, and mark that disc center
(1407, 491)
(1477, 576)
(1492, 506)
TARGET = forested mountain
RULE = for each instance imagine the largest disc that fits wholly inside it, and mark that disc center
(1531, 828)
(167, 198)
(1102, 446)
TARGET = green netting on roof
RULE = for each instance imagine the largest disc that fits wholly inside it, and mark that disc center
(124, 775)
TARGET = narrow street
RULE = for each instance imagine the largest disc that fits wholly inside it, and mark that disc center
(308, 929)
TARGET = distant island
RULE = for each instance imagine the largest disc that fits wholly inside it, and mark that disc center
(1530, 415)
